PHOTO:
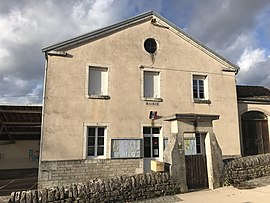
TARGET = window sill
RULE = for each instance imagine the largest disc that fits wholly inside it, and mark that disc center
(202, 101)
(106, 97)
(153, 99)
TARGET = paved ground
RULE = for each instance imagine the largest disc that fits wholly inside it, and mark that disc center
(11, 185)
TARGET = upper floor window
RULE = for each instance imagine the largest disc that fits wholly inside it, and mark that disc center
(199, 87)
(98, 81)
(151, 84)
(96, 140)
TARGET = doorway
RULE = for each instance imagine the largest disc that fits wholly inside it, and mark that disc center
(195, 158)
(151, 146)
(255, 133)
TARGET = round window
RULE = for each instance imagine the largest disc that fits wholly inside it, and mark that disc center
(150, 45)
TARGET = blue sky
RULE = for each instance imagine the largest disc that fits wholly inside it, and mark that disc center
(239, 30)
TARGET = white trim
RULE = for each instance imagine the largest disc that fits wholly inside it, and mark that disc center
(97, 66)
(85, 145)
(151, 69)
(205, 78)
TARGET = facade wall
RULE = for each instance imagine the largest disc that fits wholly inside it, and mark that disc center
(68, 109)
(22, 154)
(71, 171)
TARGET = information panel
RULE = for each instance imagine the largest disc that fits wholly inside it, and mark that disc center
(126, 148)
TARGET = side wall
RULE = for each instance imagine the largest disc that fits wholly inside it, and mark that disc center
(22, 154)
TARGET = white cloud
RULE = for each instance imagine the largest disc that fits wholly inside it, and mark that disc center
(250, 57)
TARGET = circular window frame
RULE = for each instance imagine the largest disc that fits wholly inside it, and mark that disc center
(149, 48)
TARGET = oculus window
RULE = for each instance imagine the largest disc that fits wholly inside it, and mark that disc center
(150, 45)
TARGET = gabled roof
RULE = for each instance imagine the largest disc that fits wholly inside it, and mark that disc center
(253, 93)
(157, 20)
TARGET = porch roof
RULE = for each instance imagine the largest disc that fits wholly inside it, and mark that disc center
(20, 122)
(192, 117)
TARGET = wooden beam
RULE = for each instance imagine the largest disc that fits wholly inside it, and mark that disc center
(21, 123)
(20, 111)
(21, 133)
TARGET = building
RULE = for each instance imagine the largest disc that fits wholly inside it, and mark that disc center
(114, 96)
(20, 128)
(254, 116)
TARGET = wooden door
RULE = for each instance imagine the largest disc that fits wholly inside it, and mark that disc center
(196, 171)
(255, 134)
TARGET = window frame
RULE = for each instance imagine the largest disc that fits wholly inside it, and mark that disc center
(85, 145)
(105, 68)
(200, 77)
(158, 98)
(152, 135)
(201, 144)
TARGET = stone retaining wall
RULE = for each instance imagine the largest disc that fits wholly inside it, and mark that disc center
(120, 189)
(246, 168)
(57, 173)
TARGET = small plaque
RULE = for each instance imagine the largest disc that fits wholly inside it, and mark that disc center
(152, 103)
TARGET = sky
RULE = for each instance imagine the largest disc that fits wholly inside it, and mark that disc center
(239, 30)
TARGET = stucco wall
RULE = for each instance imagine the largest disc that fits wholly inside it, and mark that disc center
(19, 155)
(67, 107)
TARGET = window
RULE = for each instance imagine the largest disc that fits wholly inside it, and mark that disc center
(194, 143)
(200, 89)
(98, 81)
(96, 139)
(151, 84)
(151, 141)
(150, 45)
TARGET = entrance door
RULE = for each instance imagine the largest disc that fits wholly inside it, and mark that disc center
(196, 168)
(255, 133)
(151, 142)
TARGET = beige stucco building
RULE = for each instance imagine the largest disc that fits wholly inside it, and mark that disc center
(109, 94)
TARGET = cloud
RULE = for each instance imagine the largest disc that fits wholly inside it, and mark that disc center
(28, 26)
(236, 29)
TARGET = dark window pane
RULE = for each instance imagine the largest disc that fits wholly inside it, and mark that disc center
(100, 151)
(146, 130)
(201, 95)
(100, 140)
(155, 130)
(91, 132)
(101, 132)
(198, 143)
(201, 83)
(91, 151)
(155, 144)
(147, 147)
(91, 141)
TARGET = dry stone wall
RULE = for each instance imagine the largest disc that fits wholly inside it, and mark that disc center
(246, 168)
(119, 189)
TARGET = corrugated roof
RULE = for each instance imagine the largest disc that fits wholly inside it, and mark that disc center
(20, 122)
(132, 21)
(253, 93)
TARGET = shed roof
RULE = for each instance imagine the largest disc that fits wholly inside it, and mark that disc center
(253, 93)
(20, 122)
(157, 20)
